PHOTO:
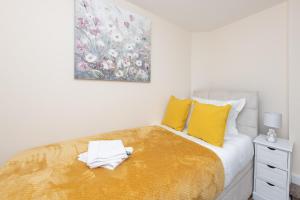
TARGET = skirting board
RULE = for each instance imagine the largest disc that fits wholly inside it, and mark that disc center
(296, 179)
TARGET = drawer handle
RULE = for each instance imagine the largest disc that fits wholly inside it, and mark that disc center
(270, 184)
(271, 148)
(270, 166)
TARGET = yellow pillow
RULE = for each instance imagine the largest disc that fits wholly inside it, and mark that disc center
(176, 113)
(208, 123)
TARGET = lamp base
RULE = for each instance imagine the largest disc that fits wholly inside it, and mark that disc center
(271, 136)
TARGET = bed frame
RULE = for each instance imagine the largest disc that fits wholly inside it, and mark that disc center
(242, 185)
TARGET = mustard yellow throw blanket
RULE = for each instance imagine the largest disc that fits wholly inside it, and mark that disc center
(163, 167)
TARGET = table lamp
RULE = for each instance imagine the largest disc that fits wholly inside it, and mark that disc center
(273, 121)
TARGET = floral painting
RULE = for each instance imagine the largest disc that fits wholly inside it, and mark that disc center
(111, 43)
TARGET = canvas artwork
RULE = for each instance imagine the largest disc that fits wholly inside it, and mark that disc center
(111, 43)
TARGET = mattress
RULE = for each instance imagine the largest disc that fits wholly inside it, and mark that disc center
(235, 154)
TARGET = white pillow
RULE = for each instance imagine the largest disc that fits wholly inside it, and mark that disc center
(237, 107)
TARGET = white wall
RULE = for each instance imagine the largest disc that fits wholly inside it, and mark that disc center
(249, 54)
(41, 102)
(294, 82)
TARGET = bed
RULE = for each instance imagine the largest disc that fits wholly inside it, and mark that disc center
(166, 164)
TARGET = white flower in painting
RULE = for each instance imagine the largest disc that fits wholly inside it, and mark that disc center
(136, 55)
(126, 63)
(113, 53)
(85, 3)
(107, 65)
(139, 63)
(142, 74)
(107, 9)
(117, 37)
(140, 31)
(84, 40)
(119, 64)
(89, 16)
(147, 66)
(89, 35)
(138, 39)
(132, 70)
(119, 73)
(130, 46)
(110, 26)
(130, 55)
(90, 58)
(109, 62)
(100, 43)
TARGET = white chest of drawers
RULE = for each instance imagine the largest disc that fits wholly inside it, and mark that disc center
(272, 171)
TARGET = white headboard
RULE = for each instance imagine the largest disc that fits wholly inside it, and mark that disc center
(247, 121)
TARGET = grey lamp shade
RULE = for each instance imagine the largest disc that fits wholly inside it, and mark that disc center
(273, 120)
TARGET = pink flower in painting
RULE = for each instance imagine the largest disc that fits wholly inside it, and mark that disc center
(82, 23)
(80, 47)
(96, 21)
(82, 66)
(126, 62)
(95, 31)
(131, 18)
(147, 46)
(126, 24)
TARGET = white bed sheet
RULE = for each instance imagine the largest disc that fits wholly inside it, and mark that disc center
(235, 154)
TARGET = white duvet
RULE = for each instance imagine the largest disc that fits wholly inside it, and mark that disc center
(235, 154)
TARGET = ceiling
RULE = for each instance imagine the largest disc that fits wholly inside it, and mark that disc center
(204, 15)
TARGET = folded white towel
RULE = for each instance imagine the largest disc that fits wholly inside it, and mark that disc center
(105, 153)
(104, 149)
(109, 165)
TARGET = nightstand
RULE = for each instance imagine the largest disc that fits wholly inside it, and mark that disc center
(272, 171)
